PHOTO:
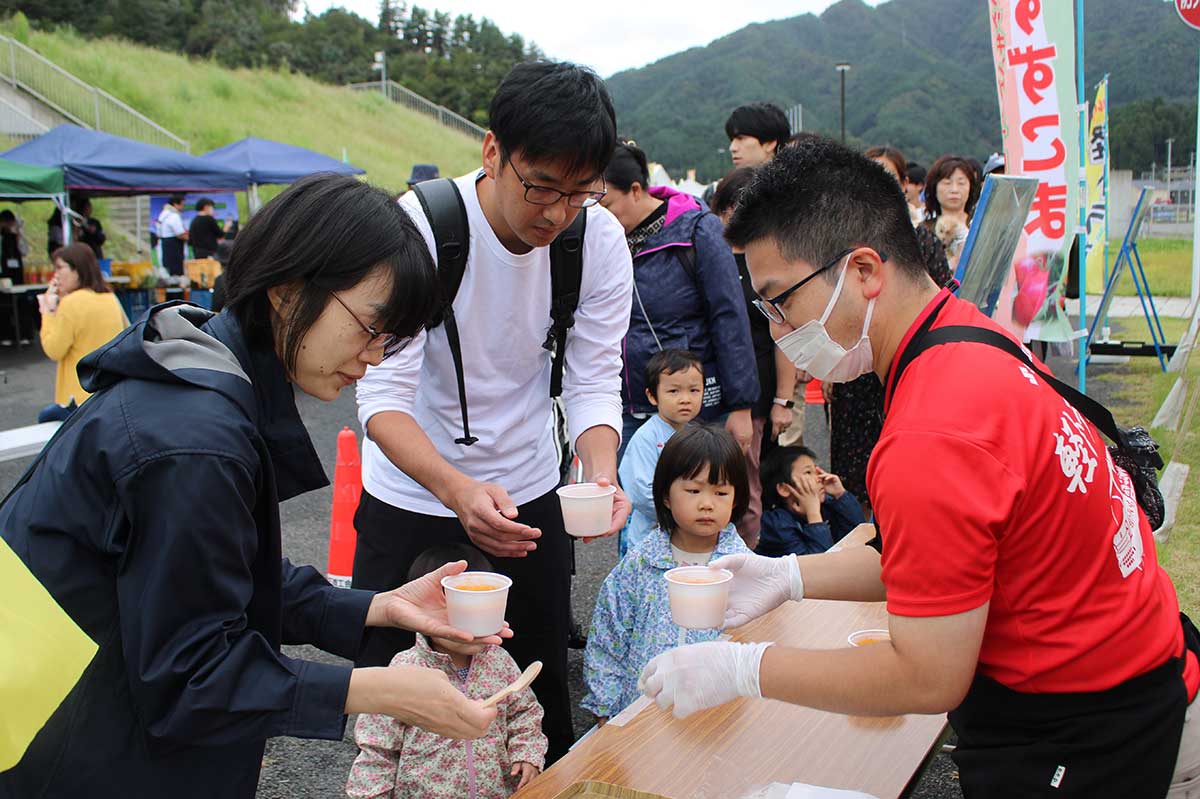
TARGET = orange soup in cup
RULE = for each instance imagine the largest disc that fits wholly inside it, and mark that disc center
(695, 579)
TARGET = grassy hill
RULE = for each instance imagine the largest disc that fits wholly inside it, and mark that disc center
(211, 106)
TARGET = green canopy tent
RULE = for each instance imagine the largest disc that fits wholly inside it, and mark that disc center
(24, 182)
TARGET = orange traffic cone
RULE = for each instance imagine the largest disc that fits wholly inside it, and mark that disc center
(812, 393)
(347, 488)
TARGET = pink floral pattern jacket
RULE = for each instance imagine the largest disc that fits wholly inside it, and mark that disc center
(396, 761)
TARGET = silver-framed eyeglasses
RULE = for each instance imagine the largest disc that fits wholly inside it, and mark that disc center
(544, 195)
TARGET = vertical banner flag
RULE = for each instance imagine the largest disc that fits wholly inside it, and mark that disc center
(1033, 44)
(1097, 181)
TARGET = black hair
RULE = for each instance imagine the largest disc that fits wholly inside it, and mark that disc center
(175, 199)
(688, 453)
(629, 165)
(764, 121)
(550, 111)
(202, 203)
(893, 156)
(435, 558)
(327, 233)
(776, 468)
(943, 168)
(669, 362)
(818, 198)
(7, 215)
(916, 173)
(730, 189)
(801, 137)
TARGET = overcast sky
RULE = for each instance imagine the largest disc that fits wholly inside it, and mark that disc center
(608, 36)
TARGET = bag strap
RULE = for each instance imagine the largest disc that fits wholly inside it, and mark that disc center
(443, 206)
(566, 275)
(925, 339)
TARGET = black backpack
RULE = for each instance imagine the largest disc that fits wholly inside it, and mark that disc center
(443, 207)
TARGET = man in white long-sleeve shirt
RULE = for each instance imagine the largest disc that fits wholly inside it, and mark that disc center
(553, 130)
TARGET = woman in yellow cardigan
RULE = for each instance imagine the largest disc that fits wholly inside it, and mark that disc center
(79, 314)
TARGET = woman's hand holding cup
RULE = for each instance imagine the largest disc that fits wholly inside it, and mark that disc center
(420, 606)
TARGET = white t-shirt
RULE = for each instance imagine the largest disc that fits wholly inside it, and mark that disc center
(170, 223)
(503, 314)
(691, 558)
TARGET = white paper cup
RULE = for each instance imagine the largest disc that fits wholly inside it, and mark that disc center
(867, 637)
(698, 596)
(478, 610)
(587, 508)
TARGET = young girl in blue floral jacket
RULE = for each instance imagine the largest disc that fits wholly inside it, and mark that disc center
(700, 485)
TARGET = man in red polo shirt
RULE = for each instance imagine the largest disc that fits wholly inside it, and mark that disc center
(1023, 589)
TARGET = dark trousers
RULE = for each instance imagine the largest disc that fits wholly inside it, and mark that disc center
(539, 602)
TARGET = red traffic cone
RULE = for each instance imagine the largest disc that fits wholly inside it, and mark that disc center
(347, 488)
(812, 394)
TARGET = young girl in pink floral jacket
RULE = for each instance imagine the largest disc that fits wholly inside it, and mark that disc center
(397, 761)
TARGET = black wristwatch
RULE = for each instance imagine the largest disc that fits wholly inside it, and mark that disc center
(786, 403)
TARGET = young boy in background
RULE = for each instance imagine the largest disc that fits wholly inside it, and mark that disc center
(675, 386)
(806, 510)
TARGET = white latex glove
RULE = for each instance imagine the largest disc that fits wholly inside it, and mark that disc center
(701, 676)
(760, 584)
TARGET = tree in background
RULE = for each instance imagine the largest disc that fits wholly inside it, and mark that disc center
(1139, 132)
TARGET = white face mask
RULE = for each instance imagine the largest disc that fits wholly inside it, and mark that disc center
(812, 350)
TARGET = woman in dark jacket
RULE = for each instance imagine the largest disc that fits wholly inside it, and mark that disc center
(152, 518)
(687, 295)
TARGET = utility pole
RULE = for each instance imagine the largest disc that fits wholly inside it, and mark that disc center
(843, 67)
(1169, 143)
(380, 66)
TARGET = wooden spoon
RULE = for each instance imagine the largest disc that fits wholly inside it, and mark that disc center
(519, 684)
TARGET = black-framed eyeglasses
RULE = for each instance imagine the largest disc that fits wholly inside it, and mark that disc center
(544, 195)
(773, 308)
(389, 342)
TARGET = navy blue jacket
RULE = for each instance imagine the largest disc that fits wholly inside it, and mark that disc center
(693, 303)
(153, 520)
(784, 533)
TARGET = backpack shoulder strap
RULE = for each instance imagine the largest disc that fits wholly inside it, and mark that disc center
(566, 275)
(1095, 413)
(447, 215)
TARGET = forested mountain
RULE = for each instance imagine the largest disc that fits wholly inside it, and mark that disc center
(922, 80)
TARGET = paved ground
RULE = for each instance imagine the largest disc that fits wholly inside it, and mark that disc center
(296, 769)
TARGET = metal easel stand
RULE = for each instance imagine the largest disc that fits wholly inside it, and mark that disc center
(1129, 256)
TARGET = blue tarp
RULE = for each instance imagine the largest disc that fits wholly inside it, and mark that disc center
(101, 163)
(270, 162)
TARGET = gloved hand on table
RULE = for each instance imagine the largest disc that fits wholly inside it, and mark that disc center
(701, 676)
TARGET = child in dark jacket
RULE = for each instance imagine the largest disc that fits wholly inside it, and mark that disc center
(806, 510)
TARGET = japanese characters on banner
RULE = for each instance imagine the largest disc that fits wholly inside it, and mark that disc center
(1097, 180)
(1034, 50)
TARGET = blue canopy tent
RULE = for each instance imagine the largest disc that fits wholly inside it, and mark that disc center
(104, 164)
(262, 161)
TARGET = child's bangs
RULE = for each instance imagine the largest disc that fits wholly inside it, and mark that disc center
(709, 470)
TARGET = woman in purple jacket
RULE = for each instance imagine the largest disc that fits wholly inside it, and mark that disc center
(687, 295)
